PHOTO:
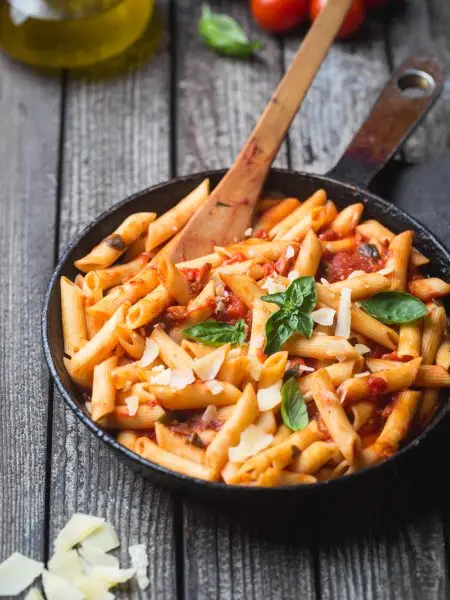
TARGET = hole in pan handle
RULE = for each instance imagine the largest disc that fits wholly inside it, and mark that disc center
(402, 104)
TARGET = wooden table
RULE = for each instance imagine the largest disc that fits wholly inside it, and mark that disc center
(72, 145)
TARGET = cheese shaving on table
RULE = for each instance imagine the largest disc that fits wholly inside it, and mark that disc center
(252, 441)
(105, 538)
(210, 414)
(344, 317)
(113, 576)
(292, 275)
(98, 558)
(139, 560)
(272, 286)
(290, 252)
(209, 365)
(323, 316)
(57, 588)
(151, 353)
(18, 572)
(269, 397)
(132, 403)
(66, 564)
(214, 386)
(361, 349)
(76, 530)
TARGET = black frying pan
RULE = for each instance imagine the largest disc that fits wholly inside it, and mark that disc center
(393, 118)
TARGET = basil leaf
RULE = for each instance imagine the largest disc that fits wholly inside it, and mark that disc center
(305, 325)
(225, 35)
(214, 333)
(293, 406)
(301, 294)
(394, 307)
(279, 298)
(278, 330)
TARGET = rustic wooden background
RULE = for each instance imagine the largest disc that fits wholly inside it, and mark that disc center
(72, 145)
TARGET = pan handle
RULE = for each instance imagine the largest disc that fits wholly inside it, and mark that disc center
(402, 104)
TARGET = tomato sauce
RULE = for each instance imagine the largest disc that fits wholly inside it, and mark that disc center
(197, 278)
(329, 236)
(396, 357)
(234, 309)
(340, 265)
(377, 385)
(262, 234)
(236, 258)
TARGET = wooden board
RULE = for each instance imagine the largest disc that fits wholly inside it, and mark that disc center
(29, 129)
(116, 141)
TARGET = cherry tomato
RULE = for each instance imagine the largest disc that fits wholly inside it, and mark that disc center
(353, 21)
(279, 15)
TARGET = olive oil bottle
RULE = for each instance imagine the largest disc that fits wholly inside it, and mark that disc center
(71, 33)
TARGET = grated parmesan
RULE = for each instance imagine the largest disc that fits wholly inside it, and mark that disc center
(214, 386)
(290, 252)
(132, 403)
(18, 572)
(323, 316)
(293, 275)
(252, 441)
(272, 286)
(269, 397)
(361, 349)
(344, 317)
(151, 353)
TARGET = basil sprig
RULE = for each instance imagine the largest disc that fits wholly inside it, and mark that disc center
(225, 35)
(215, 333)
(295, 303)
(394, 307)
(293, 406)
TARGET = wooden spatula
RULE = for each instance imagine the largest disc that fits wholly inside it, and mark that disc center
(228, 210)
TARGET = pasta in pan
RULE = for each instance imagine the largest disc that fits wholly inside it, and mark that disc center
(311, 349)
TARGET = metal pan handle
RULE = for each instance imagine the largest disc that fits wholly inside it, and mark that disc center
(405, 100)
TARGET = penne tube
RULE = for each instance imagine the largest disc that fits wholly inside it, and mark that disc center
(427, 408)
(197, 350)
(432, 333)
(322, 347)
(109, 249)
(78, 281)
(152, 452)
(374, 229)
(244, 287)
(443, 354)
(125, 375)
(325, 473)
(347, 220)
(144, 418)
(345, 245)
(395, 429)
(73, 317)
(202, 306)
(273, 369)
(261, 312)
(361, 322)
(83, 380)
(103, 401)
(214, 259)
(171, 353)
(128, 439)
(384, 382)
(276, 214)
(314, 457)
(309, 256)
(267, 422)
(319, 198)
(334, 417)
(195, 395)
(314, 220)
(229, 473)
(141, 390)
(338, 373)
(148, 308)
(233, 370)
(137, 248)
(131, 341)
(342, 469)
(119, 274)
(288, 478)
(173, 280)
(238, 268)
(433, 376)
(92, 293)
(245, 412)
(99, 347)
(270, 478)
(282, 434)
(362, 412)
(266, 251)
(409, 341)
(399, 254)
(429, 289)
(363, 286)
(171, 222)
(167, 440)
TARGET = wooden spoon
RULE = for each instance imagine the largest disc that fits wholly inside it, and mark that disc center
(228, 210)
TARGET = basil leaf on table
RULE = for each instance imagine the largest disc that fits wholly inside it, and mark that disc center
(215, 333)
(293, 406)
(394, 307)
(225, 35)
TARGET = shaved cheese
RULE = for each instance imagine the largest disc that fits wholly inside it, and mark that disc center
(88, 406)
(292, 275)
(76, 529)
(344, 317)
(290, 252)
(94, 588)
(362, 349)
(66, 564)
(386, 271)
(214, 386)
(139, 560)
(355, 274)
(324, 281)
(248, 232)
(252, 441)
(158, 369)
(323, 316)
(180, 378)
(344, 396)
(113, 576)
(363, 374)
(132, 403)
(210, 414)
(305, 368)
(105, 538)
(272, 286)
(209, 365)
(98, 558)
(17, 572)
(57, 588)
(151, 353)
(269, 397)
(220, 305)
(34, 594)
(162, 378)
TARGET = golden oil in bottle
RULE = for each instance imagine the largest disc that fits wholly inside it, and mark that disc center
(71, 33)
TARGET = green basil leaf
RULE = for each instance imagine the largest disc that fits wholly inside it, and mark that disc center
(293, 406)
(301, 294)
(394, 307)
(214, 333)
(305, 325)
(225, 35)
(279, 298)
(278, 330)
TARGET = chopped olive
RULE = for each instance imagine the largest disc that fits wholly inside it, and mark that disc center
(295, 451)
(293, 371)
(353, 341)
(115, 241)
(369, 251)
(196, 440)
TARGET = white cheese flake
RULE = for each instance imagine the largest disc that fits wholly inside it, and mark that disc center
(162, 378)
(252, 441)
(66, 564)
(323, 316)
(272, 286)
(344, 317)
(18, 572)
(105, 538)
(363, 374)
(113, 576)
(76, 530)
(293, 275)
(207, 367)
(181, 378)
(139, 560)
(210, 414)
(324, 281)
(344, 396)
(386, 271)
(290, 252)
(93, 587)
(355, 274)
(97, 558)
(269, 397)
(214, 386)
(255, 367)
(57, 588)
(306, 369)
(132, 403)
(151, 353)
(248, 232)
(361, 349)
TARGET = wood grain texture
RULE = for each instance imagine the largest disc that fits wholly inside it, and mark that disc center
(116, 142)
(415, 25)
(29, 129)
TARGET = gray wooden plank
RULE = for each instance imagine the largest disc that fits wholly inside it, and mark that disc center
(219, 100)
(116, 142)
(417, 25)
(29, 130)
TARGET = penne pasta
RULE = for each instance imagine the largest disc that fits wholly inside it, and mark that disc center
(322, 347)
(363, 286)
(429, 289)
(148, 308)
(276, 214)
(118, 274)
(409, 341)
(128, 439)
(319, 198)
(103, 400)
(309, 256)
(399, 254)
(73, 318)
(244, 287)
(144, 418)
(347, 220)
(167, 440)
(194, 396)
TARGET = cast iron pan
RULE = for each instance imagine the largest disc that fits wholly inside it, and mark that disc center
(393, 118)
